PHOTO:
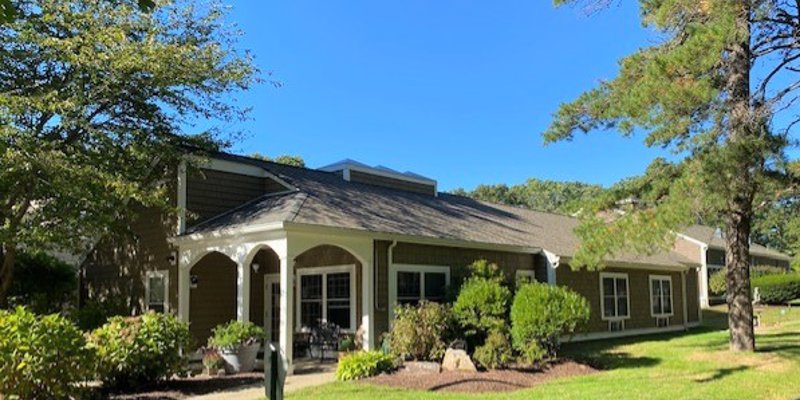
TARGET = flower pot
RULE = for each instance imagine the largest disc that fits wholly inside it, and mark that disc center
(240, 359)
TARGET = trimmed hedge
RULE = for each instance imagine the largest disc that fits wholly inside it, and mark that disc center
(41, 357)
(542, 313)
(363, 364)
(482, 306)
(777, 289)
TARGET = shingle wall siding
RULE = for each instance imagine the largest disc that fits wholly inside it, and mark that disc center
(587, 283)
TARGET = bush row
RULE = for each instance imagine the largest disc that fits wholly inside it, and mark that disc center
(717, 283)
(495, 325)
(49, 357)
(777, 289)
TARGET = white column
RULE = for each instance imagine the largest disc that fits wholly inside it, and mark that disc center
(242, 290)
(367, 302)
(184, 288)
(287, 305)
(703, 281)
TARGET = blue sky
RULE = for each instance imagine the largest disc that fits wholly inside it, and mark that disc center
(459, 91)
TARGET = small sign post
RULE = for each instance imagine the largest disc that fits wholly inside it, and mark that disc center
(273, 373)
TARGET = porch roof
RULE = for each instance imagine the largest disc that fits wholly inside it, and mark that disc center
(325, 199)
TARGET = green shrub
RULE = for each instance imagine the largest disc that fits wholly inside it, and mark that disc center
(235, 334)
(43, 284)
(496, 352)
(777, 289)
(542, 313)
(363, 364)
(41, 357)
(94, 314)
(419, 331)
(717, 283)
(139, 351)
(482, 305)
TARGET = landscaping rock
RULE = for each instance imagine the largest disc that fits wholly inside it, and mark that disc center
(457, 360)
(423, 367)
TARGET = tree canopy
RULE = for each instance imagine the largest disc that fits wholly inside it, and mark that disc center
(95, 98)
(536, 194)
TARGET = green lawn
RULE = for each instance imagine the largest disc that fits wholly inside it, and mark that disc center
(674, 366)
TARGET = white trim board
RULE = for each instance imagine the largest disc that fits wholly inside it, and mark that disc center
(661, 278)
(629, 332)
(422, 269)
(350, 269)
(163, 274)
(615, 276)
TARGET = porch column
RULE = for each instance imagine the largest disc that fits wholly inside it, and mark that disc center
(184, 287)
(367, 302)
(286, 334)
(242, 289)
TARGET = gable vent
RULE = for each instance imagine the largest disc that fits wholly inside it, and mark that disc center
(354, 171)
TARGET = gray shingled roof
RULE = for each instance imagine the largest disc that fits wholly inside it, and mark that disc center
(324, 198)
(708, 235)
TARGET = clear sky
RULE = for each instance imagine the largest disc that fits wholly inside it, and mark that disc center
(459, 91)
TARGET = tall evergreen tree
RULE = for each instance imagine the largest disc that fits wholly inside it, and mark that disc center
(719, 89)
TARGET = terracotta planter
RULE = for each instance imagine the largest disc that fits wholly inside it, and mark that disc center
(241, 359)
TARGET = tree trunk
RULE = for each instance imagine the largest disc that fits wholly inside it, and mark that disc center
(740, 306)
(6, 273)
(741, 130)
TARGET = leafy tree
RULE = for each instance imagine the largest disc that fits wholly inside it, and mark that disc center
(296, 161)
(542, 195)
(717, 89)
(43, 284)
(94, 96)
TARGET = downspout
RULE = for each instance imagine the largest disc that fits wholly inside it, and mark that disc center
(389, 257)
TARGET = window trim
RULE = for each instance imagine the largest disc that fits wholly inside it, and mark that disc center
(163, 274)
(614, 275)
(528, 273)
(662, 278)
(324, 271)
(422, 269)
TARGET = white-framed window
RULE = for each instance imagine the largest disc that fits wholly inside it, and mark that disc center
(408, 284)
(661, 296)
(156, 291)
(326, 294)
(615, 303)
(525, 276)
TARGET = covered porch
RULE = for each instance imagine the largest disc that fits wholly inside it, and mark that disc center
(284, 280)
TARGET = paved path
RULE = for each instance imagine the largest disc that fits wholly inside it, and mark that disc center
(294, 382)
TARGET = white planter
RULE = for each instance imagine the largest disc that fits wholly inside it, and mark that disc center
(241, 359)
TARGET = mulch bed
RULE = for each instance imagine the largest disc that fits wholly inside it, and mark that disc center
(489, 381)
(183, 388)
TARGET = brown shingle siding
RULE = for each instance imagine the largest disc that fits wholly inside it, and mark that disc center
(587, 283)
(210, 193)
(371, 179)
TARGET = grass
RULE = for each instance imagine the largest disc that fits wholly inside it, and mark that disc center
(694, 365)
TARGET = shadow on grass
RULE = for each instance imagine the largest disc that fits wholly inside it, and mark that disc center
(721, 373)
(784, 344)
(473, 381)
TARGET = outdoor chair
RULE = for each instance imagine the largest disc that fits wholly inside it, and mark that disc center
(324, 336)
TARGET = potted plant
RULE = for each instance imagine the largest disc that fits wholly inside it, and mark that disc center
(346, 345)
(237, 343)
(213, 363)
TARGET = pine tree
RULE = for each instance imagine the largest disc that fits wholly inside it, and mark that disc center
(719, 90)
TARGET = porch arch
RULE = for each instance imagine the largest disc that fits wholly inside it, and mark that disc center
(212, 299)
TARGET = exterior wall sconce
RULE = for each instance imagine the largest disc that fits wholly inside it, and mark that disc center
(256, 267)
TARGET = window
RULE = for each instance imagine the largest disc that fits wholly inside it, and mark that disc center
(614, 302)
(525, 276)
(660, 296)
(408, 284)
(327, 294)
(156, 289)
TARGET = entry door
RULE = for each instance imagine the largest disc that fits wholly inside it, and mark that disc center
(272, 306)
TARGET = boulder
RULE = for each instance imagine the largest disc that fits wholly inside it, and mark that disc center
(457, 360)
(422, 367)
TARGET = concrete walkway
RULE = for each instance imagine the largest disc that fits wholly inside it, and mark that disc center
(293, 383)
